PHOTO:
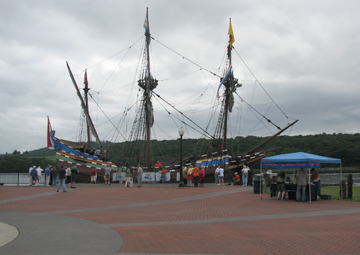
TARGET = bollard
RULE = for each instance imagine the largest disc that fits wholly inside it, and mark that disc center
(350, 183)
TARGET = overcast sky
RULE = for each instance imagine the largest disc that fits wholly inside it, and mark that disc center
(304, 53)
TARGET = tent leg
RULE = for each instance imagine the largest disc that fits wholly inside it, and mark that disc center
(260, 179)
(341, 179)
(309, 187)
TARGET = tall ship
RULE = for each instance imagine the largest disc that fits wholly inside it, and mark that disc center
(137, 128)
(226, 92)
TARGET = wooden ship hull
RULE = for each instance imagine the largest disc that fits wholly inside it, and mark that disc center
(84, 164)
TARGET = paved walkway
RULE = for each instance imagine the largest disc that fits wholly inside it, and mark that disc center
(162, 219)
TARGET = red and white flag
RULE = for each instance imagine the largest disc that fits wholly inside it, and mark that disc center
(50, 141)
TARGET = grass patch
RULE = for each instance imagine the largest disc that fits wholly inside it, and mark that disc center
(334, 192)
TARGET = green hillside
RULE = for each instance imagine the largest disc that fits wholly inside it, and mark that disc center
(343, 146)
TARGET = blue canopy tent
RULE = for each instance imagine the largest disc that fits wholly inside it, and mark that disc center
(297, 160)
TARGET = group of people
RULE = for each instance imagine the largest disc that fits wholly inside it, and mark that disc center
(35, 175)
(220, 175)
(53, 176)
(136, 176)
(97, 152)
(301, 181)
(62, 175)
(163, 171)
(194, 175)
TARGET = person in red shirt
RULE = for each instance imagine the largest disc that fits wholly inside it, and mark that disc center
(93, 176)
(163, 175)
(236, 178)
(315, 178)
(158, 164)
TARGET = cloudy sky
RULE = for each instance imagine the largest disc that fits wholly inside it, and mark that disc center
(305, 54)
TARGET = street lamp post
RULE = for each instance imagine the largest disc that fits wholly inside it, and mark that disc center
(181, 183)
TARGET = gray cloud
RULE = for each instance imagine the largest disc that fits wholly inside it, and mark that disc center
(304, 53)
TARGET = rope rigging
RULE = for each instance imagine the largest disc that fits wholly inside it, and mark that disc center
(259, 82)
(154, 93)
(107, 117)
(268, 120)
(185, 57)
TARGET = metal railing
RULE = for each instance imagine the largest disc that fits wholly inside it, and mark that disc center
(18, 178)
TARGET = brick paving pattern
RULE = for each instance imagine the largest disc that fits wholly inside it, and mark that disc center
(161, 219)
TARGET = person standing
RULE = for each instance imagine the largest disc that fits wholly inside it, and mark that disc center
(39, 170)
(68, 174)
(301, 180)
(30, 177)
(34, 176)
(74, 171)
(315, 178)
(216, 176)
(244, 173)
(98, 152)
(107, 175)
(47, 175)
(163, 175)
(158, 164)
(184, 173)
(54, 175)
(62, 178)
(139, 176)
(196, 173)
(103, 156)
(280, 183)
(93, 176)
(220, 172)
(134, 173)
(202, 176)
(190, 176)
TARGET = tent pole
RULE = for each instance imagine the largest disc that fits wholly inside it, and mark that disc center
(309, 178)
(341, 179)
(260, 178)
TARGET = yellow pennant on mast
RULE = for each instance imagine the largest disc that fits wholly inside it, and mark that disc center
(231, 35)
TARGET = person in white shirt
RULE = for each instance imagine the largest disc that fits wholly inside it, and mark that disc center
(30, 179)
(216, 176)
(244, 173)
(68, 174)
(220, 174)
(39, 170)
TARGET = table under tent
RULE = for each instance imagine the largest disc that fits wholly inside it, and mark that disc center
(297, 160)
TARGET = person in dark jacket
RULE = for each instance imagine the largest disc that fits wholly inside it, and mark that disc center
(62, 178)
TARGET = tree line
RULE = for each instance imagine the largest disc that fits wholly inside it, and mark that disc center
(343, 146)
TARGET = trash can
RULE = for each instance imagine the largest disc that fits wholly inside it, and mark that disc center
(258, 186)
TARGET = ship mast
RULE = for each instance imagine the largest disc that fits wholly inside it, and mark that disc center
(230, 84)
(86, 91)
(83, 105)
(147, 92)
(147, 83)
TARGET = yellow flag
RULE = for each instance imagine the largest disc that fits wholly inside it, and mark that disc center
(231, 35)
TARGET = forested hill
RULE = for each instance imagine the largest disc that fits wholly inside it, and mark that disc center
(343, 146)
